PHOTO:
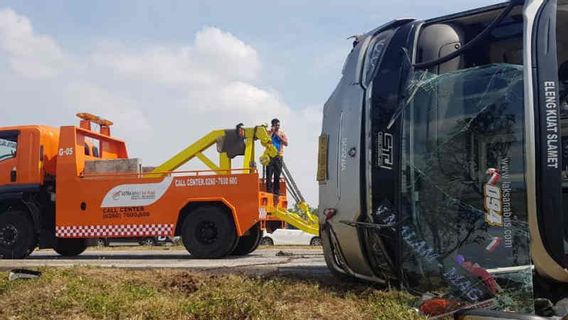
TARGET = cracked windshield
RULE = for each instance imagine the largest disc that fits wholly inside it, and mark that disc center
(464, 219)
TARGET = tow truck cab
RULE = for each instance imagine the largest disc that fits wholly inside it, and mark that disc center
(445, 146)
(37, 144)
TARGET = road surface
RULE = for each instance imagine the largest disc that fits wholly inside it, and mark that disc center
(296, 261)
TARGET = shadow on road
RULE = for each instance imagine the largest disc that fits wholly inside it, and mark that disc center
(122, 256)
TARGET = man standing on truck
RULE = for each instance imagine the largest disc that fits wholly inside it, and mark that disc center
(274, 168)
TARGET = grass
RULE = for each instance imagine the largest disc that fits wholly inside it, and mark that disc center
(107, 293)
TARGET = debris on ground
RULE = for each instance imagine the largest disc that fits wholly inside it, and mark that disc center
(23, 274)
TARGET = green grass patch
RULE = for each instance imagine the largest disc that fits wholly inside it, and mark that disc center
(108, 293)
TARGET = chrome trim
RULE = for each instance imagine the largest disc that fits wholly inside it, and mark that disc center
(543, 262)
(361, 61)
(530, 11)
(369, 152)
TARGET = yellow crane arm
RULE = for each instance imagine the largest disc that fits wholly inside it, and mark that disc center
(305, 220)
(194, 150)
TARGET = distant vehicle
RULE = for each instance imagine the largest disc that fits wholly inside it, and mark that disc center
(289, 236)
(148, 241)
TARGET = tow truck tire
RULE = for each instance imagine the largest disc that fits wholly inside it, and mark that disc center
(17, 238)
(70, 247)
(248, 243)
(209, 233)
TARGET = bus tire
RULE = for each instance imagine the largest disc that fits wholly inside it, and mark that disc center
(209, 233)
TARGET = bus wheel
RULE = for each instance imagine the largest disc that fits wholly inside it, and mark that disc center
(70, 247)
(248, 243)
(17, 239)
(209, 233)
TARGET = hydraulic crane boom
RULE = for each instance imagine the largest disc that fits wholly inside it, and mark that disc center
(240, 141)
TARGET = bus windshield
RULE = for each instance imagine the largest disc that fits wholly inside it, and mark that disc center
(463, 194)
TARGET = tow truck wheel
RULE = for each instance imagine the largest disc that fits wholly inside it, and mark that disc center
(248, 243)
(70, 247)
(209, 233)
(16, 235)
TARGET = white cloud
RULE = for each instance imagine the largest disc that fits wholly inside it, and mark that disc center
(29, 54)
(223, 53)
(160, 97)
(214, 58)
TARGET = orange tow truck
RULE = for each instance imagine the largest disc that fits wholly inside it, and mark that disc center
(61, 187)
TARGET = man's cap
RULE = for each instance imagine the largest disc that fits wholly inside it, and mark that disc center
(274, 121)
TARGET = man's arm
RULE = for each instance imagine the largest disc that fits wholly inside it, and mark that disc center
(283, 137)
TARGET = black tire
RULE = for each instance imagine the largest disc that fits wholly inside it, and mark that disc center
(316, 241)
(101, 242)
(266, 241)
(150, 242)
(248, 243)
(209, 233)
(70, 247)
(17, 237)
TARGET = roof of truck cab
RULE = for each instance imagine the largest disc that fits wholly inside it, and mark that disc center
(27, 127)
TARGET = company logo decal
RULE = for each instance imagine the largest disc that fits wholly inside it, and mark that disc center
(385, 143)
(493, 203)
(130, 195)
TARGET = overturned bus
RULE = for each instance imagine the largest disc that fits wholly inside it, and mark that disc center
(443, 158)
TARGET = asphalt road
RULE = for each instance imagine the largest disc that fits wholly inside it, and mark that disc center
(294, 261)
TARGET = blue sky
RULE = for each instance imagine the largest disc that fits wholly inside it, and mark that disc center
(180, 68)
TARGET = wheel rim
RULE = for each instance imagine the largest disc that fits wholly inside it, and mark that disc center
(207, 232)
(8, 235)
(100, 243)
(149, 242)
(316, 242)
